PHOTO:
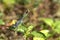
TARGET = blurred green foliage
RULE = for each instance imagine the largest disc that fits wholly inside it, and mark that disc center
(28, 30)
(8, 2)
(2, 22)
(43, 34)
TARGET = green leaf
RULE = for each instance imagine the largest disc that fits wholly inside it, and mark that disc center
(1, 14)
(37, 2)
(21, 28)
(1, 22)
(36, 34)
(48, 21)
(45, 32)
(27, 2)
(9, 1)
(38, 38)
(57, 22)
(57, 28)
(30, 28)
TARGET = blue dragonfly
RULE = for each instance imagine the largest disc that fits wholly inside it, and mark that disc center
(20, 21)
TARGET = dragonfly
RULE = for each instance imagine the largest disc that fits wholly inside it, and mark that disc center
(20, 21)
